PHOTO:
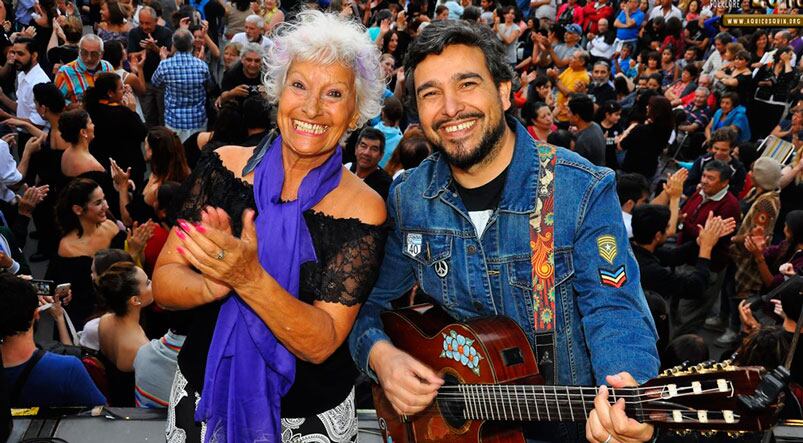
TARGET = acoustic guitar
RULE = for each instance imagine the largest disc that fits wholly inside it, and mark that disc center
(492, 386)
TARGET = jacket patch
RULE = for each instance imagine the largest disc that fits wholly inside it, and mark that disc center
(606, 246)
(615, 279)
(414, 242)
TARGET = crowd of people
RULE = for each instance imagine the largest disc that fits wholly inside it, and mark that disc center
(159, 139)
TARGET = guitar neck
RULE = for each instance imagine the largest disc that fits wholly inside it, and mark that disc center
(531, 402)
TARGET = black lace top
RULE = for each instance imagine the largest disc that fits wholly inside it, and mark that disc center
(349, 255)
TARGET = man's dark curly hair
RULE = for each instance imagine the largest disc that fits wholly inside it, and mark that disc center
(440, 34)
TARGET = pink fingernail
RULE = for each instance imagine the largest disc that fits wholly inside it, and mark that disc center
(181, 235)
(183, 224)
(199, 228)
(180, 250)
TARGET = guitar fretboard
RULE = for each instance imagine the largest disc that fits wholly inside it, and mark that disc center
(532, 402)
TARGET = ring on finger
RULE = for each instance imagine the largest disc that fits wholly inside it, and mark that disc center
(608, 440)
(221, 254)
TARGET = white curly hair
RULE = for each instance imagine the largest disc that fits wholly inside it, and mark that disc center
(327, 38)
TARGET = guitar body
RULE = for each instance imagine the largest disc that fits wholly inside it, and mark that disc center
(491, 350)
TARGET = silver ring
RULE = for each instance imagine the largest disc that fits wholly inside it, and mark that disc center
(607, 440)
(222, 254)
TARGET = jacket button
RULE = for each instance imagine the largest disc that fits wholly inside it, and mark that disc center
(472, 249)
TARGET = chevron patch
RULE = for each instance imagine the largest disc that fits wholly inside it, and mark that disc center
(615, 278)
(606, 245)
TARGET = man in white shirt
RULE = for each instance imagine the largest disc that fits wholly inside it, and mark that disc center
(666, 10)
(29, 73)
(781, 39)
(254, 33)
(716, 59)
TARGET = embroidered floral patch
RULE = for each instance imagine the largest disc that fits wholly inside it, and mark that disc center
(461, 349)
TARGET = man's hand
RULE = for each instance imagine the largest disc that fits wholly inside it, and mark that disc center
(409, 385)
(609, 423)
(5, 261)
(149, 44)
(674, 184)
(749, 322)
(714, 229)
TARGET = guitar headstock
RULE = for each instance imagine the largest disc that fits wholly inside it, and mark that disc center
(705, 397)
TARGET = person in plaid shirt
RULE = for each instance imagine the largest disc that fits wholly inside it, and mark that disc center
(184, 79)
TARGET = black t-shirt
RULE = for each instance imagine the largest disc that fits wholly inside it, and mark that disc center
(162, 36)
(235, 77)
(610, 144)
(484, 198)
(379, 180)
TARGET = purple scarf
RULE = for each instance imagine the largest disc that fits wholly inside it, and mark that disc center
(247, 369)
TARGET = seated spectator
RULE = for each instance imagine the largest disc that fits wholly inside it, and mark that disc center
(712, 199)
(370, 148)
(762, 204)
(774, 84)
(392, 113)
(623, 63)
(730, 113)
(37, 378)
(721, 145)
(571, 80)
(659, 264)
(609, 117)
(601, 87)
(683, 86)
(538, 119)
(254, 33)
(590, 141)
(600, 45)
(790, 127)
(632, 190)
(777, 262)
(126, 291)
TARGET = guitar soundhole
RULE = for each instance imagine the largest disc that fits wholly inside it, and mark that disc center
(452, 410)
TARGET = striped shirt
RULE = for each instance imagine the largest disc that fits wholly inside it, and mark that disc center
(154, 367)
(73, 79)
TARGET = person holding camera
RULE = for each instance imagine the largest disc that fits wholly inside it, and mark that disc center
(35, 377)
(244, 78)
(185, 79)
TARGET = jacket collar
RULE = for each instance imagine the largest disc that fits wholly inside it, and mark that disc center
(518, 195)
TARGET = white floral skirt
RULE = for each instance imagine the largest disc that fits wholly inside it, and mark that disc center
(338, 424)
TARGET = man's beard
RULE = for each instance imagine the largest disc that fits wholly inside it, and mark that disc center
(463, 159)
(22, 67)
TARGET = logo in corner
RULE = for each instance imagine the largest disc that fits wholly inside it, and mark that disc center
(606, 245)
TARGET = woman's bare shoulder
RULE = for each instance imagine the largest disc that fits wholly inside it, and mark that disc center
(234, 157)
(371, 207)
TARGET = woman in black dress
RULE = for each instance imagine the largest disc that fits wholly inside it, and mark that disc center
(324, 73)
(119, 131)
(645, 143)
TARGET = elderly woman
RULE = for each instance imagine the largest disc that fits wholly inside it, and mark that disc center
(274, 296)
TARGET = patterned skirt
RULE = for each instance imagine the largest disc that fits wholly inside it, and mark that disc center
(338, 424)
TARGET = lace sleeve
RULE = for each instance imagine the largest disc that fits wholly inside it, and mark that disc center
(211, 184)
(349, 275)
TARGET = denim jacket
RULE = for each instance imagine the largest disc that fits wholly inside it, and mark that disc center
(600, 329)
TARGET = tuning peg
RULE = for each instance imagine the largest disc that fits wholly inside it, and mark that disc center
(708, 433)
(735, 434)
